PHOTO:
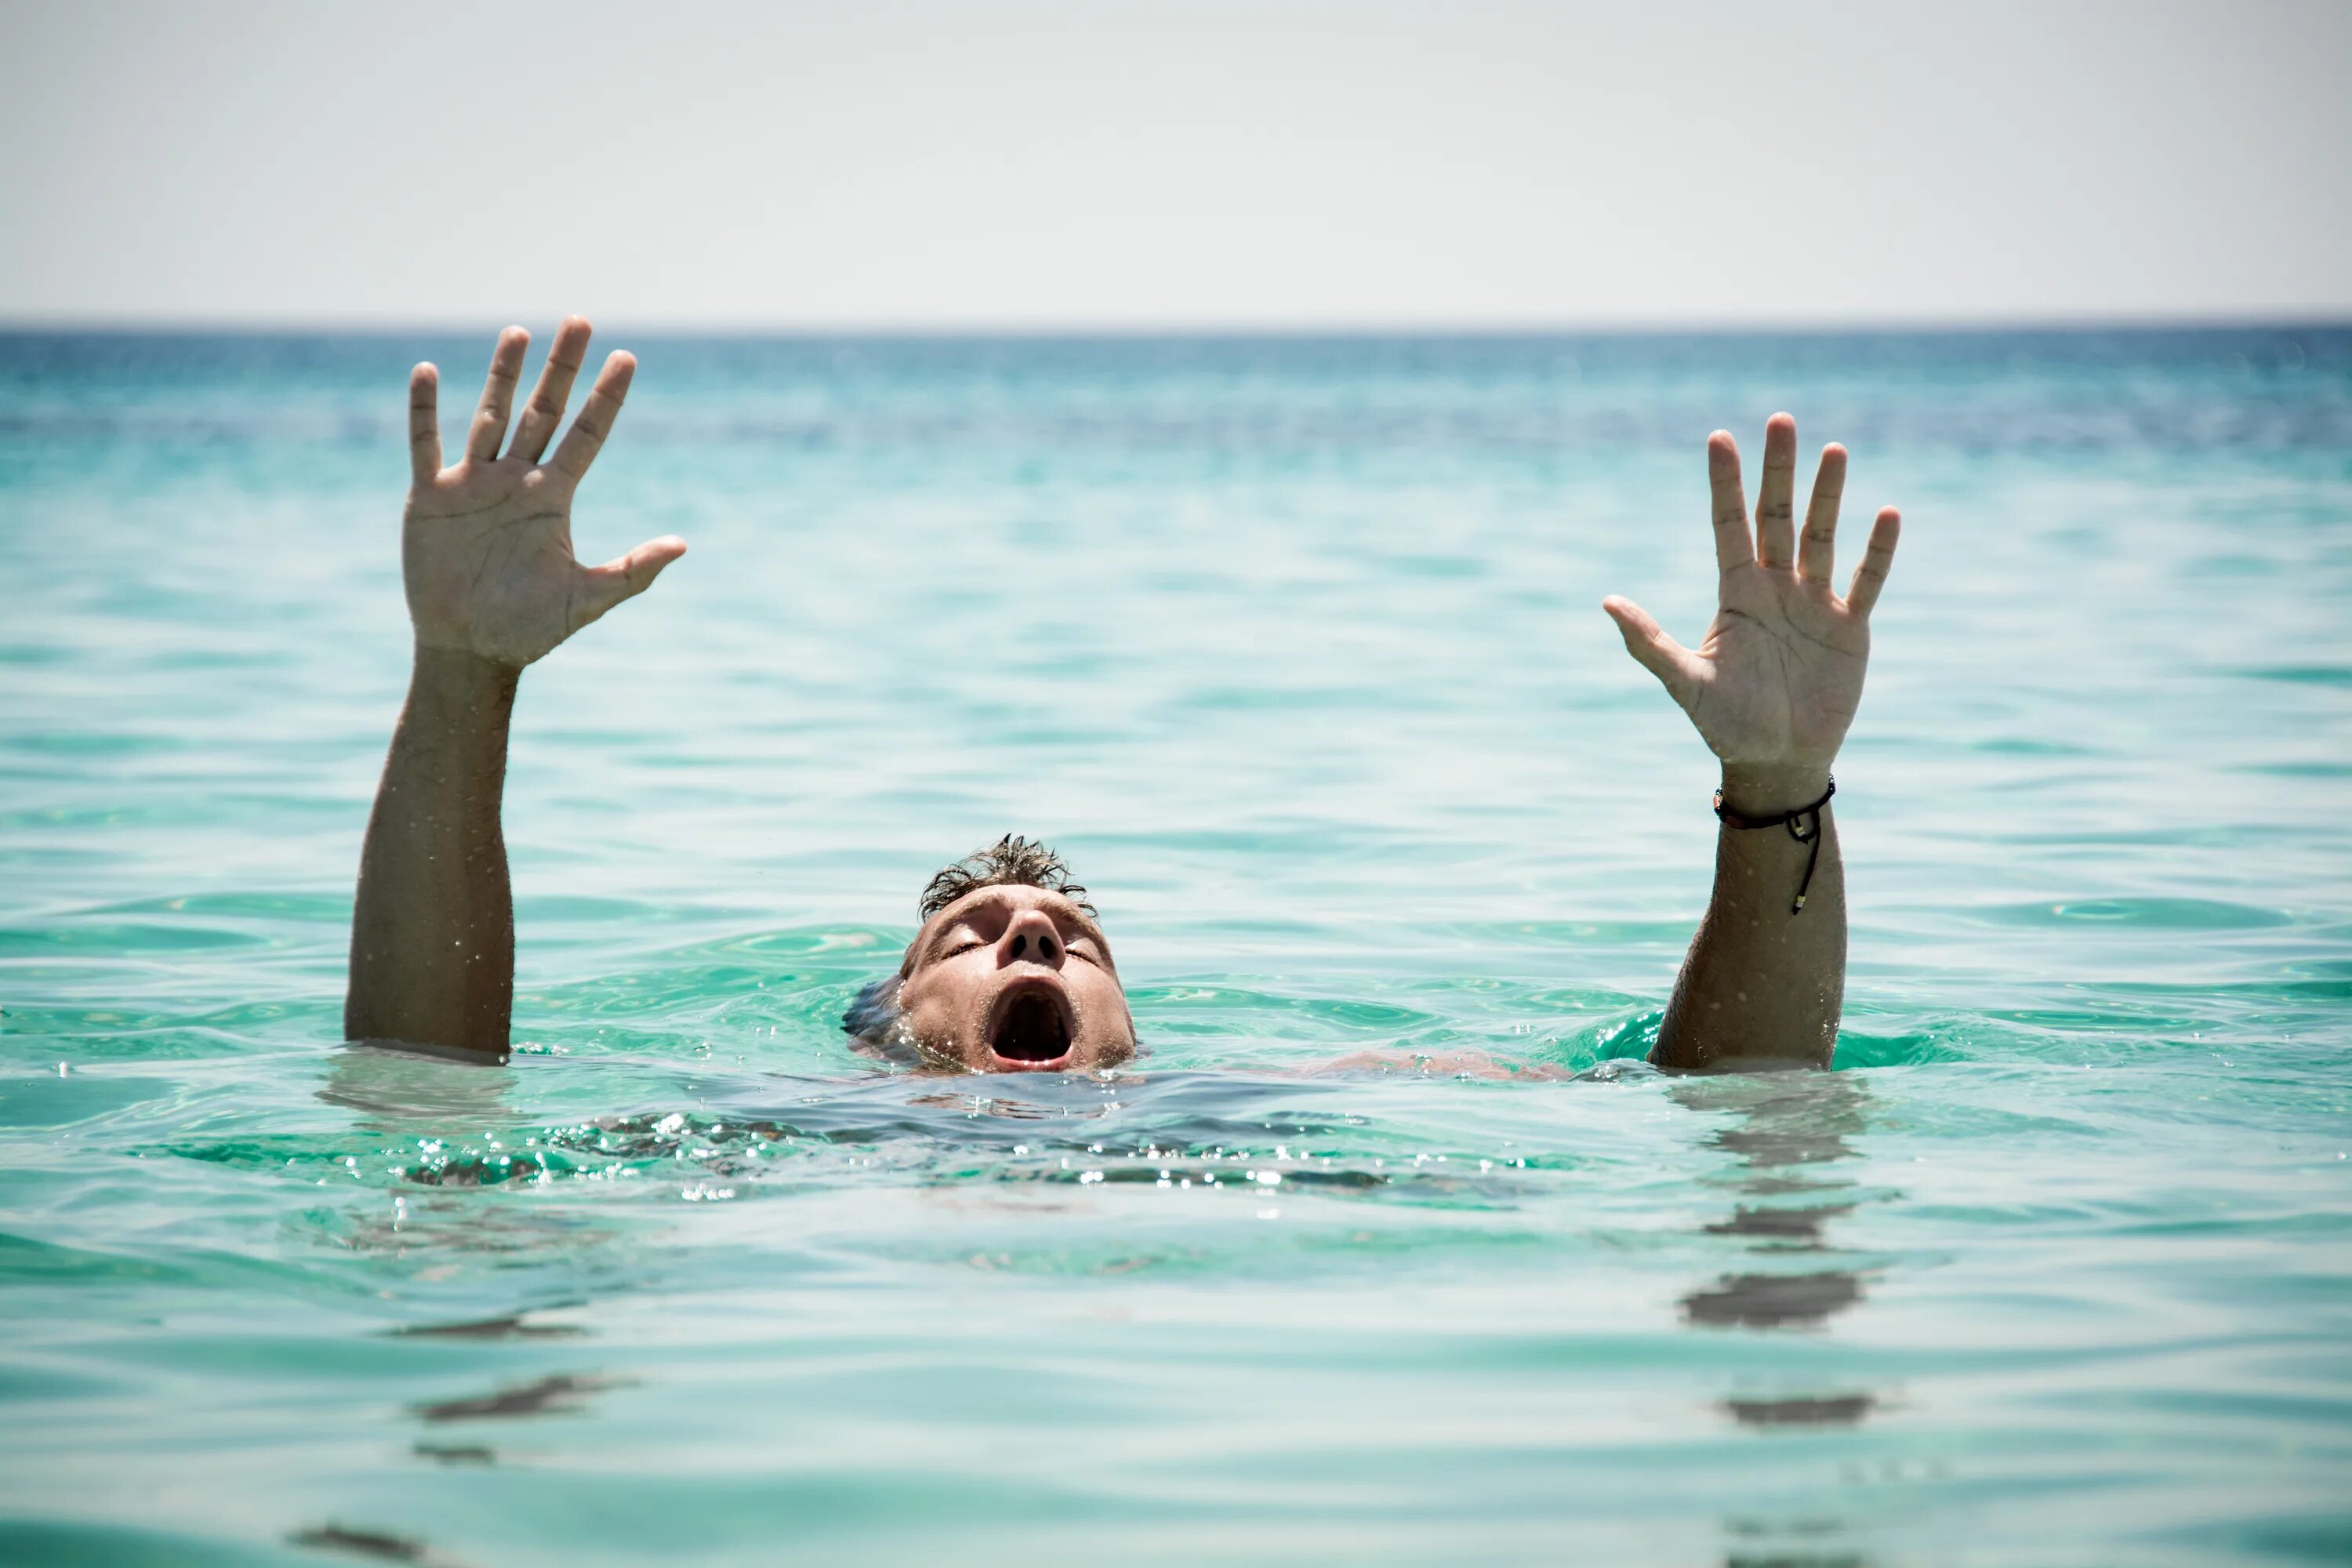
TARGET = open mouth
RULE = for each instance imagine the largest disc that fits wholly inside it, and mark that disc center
(1031, 1028)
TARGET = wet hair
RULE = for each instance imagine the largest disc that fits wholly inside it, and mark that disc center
(1010, 861)
(875, 1022)
(873, 1018)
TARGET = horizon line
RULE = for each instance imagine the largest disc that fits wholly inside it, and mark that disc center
(2318, 317)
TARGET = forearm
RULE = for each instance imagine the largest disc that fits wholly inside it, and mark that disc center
(433, 928)
(1763, 985)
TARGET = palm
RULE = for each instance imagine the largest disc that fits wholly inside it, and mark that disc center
(1784, 660)
(486, 545)
(1778, 678)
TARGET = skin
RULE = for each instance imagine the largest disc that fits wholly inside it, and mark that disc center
(493, 586)
(973, 958)
(1772, 689)
(485, 555)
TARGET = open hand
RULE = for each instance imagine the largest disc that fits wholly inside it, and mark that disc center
(486, 545)
(1775, 683)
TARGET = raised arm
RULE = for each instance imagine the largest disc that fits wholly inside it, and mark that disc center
(486, 554)
(1772, 689)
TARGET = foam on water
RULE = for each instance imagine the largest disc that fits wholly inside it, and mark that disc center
(1293, 646)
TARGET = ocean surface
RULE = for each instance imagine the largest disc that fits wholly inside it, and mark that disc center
(1293, 647)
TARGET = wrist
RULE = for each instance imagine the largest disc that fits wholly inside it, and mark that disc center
(460, 679)
(1766, 789)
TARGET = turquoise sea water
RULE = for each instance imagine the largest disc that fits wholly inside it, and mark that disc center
(1293, 647)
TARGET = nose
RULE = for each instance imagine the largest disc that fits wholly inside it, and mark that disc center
(1030, 938)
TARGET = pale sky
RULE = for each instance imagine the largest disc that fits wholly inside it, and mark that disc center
(1065, 164)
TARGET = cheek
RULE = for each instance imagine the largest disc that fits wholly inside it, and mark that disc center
(932, 1016)
(1103, 1006)
(933, 1002)
(946, 998)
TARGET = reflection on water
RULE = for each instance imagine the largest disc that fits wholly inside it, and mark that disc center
(396, 1087)
(564, 1393)
(1795, 1555)
(376, 1544)
(1796, 1229)
(1789, 1133)
(509, 1328)
(1773, 1300)
(1840, 1410)
(455, 1453)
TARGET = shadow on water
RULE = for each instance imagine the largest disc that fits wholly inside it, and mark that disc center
(1789, 1134)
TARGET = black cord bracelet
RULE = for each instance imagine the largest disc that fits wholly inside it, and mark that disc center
(1804, 826)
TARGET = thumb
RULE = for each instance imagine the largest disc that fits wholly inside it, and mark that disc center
(1673, 664)
(627, 576)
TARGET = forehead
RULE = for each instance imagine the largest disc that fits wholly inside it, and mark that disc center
(998, 902)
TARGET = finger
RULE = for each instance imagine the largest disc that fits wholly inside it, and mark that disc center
(490, 425)
(1818, 551)
(424, 424)
(1776, 534)
(1675, 666)
(1871, 575)
(1732, 545)
(586, 438)
(628, 575)
(543, 414)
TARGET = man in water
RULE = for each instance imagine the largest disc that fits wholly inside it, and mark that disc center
(1011, 971)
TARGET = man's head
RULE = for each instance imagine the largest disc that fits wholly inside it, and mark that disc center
(1010, 972)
